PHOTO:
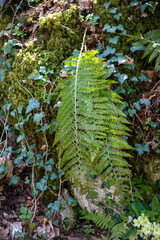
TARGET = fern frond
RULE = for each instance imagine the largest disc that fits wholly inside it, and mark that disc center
(88, 120)
(105, 221)
(118, 231)
(100, 219)
(152, 41)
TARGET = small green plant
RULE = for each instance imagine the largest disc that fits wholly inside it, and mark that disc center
(88, 231)
(144, 220)
(27, 217)
(158, 137)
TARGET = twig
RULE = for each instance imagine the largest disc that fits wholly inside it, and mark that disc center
(5, 9)
(155, 86)
(115, 210)
(136, 114)
(131, 188)
(15, 16)
(25, 88)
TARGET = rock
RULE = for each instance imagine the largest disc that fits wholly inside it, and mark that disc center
(92, 204)
(68, 211)
(74, 238)
(150, 166)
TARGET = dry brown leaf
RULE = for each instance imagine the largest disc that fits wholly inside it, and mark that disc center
(44, 147)
(52, 232)
(130, 60)
(10, 216)
(4, 232)
(150, 73)
(85, 4)
(144, 14)
(1, 188)
(63, 75)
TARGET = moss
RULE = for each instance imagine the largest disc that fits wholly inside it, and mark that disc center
(4, 21)
(131, 20)
(59, 34)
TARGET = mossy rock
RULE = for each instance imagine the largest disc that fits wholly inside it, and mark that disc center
(132, 21)
(59, 34)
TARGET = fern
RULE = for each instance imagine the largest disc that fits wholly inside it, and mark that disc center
(117, 230)
(152, 42)
(89, 126)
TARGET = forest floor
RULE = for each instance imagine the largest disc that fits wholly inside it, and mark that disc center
(11, 197)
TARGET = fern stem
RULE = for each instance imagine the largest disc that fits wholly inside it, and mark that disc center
(75, 92)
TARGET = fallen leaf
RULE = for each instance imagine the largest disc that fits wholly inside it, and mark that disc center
(130, 60)
(63, 75)
(144, 14)
(1, 188)
(4, 233)
(15, 227)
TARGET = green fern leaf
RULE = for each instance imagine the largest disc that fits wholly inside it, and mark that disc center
(89, 126)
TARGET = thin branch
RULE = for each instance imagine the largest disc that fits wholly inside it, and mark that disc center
(25, 89)
(15, 16)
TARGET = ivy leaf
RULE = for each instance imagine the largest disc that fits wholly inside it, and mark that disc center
(114, 40)
(94, 20)
(7, 106)
(23, 209)
(2, 2)
(145, 101)
(55, 206)
(117, 16)
(42, 69)
(146, 148)
(131, 112)
(106, 5)
(55, 222)
(33, 103)
(45, 127)
(153, 124)
(121, 77)
(121, 60)
(14, 180)
(141, 148)
(145, 5)
(19, 109)
(20, 138)
(143, 77)
(120, 90)
(120, 27)
(109, 28)
(134, 79)
(135, 47)
(38, 117)
(134, 3)
(41, 185)
(137, 105)
(109, 50)
(53, 176)
(13, 113)
(113, 10)
(71, 202)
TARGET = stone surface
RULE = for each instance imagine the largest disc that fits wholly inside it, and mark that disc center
(68, 211)
(92, 204)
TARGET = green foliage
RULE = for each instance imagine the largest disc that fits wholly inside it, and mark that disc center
(89, 231)
(152, 42)
(105, 221)
(89, 126)
(158, 137)
(27, 216)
